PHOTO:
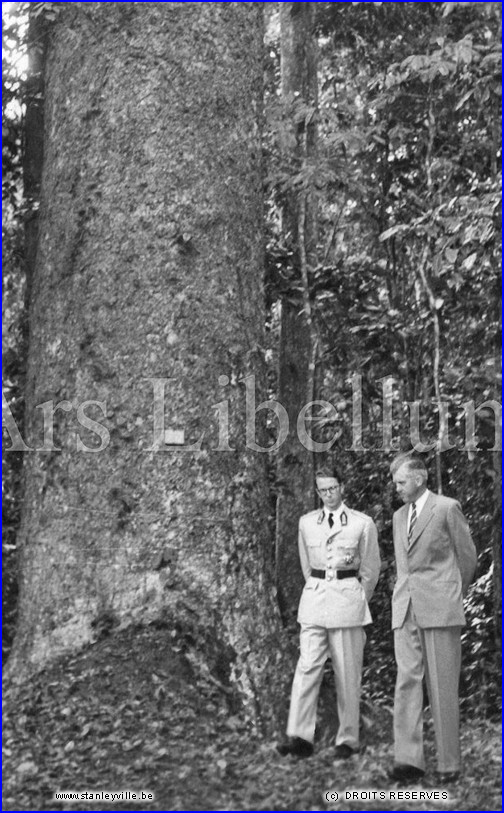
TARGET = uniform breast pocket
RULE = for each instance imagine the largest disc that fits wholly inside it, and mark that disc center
(347, 553)
(316, 555)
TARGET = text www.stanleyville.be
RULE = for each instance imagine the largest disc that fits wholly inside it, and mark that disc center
(104, 796)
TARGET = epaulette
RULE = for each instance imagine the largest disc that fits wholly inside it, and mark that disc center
(360, 514)
(313, 513)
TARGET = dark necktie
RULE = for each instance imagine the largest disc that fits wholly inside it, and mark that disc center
(330, 520)
(412, 521)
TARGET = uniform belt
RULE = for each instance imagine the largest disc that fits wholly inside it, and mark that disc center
(340, 574)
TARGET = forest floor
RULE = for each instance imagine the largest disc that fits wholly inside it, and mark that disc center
(131, 713)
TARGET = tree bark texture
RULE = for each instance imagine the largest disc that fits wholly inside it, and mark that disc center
(149, 269)
(297, 344)
(33, 152)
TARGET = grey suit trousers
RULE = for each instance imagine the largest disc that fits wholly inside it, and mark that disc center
(436, 654)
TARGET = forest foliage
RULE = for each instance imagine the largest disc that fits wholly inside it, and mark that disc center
(405, 290)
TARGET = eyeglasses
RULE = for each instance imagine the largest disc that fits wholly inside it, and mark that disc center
(329, 491)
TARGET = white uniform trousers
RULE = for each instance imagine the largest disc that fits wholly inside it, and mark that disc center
(435, 652)
(345, 645)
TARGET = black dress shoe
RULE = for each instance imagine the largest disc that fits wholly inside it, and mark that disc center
(405, 773)
(295, 746)
(445, 777)
(343, 751)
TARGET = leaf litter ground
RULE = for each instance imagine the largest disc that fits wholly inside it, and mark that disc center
(133, 712)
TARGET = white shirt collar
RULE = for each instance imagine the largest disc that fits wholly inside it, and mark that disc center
(336, 513)
(419, 504)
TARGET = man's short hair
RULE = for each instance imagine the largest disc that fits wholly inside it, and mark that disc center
(412, 462)
(329, 470)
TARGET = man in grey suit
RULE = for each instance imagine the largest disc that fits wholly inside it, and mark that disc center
(340, 560)
(436, 561)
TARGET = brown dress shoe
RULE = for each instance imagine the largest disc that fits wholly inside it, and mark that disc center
(295, 746)
(405, 773)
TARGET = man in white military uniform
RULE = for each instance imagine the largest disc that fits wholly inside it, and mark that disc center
(340, 560)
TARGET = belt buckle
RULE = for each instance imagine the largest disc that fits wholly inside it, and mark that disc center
(330, 575)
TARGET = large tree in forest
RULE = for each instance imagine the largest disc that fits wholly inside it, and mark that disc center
(145, 489)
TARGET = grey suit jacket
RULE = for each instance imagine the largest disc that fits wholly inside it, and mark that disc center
(434, 571)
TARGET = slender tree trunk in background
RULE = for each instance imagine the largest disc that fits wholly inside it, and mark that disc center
(297, 346)
(33, 152)
(148, 277)
(32, 160)
(497, 550)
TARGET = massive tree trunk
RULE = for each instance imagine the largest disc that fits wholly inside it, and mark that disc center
(148, 282)
(297, 339)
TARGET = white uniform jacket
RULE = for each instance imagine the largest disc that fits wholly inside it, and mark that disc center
(351, 544)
